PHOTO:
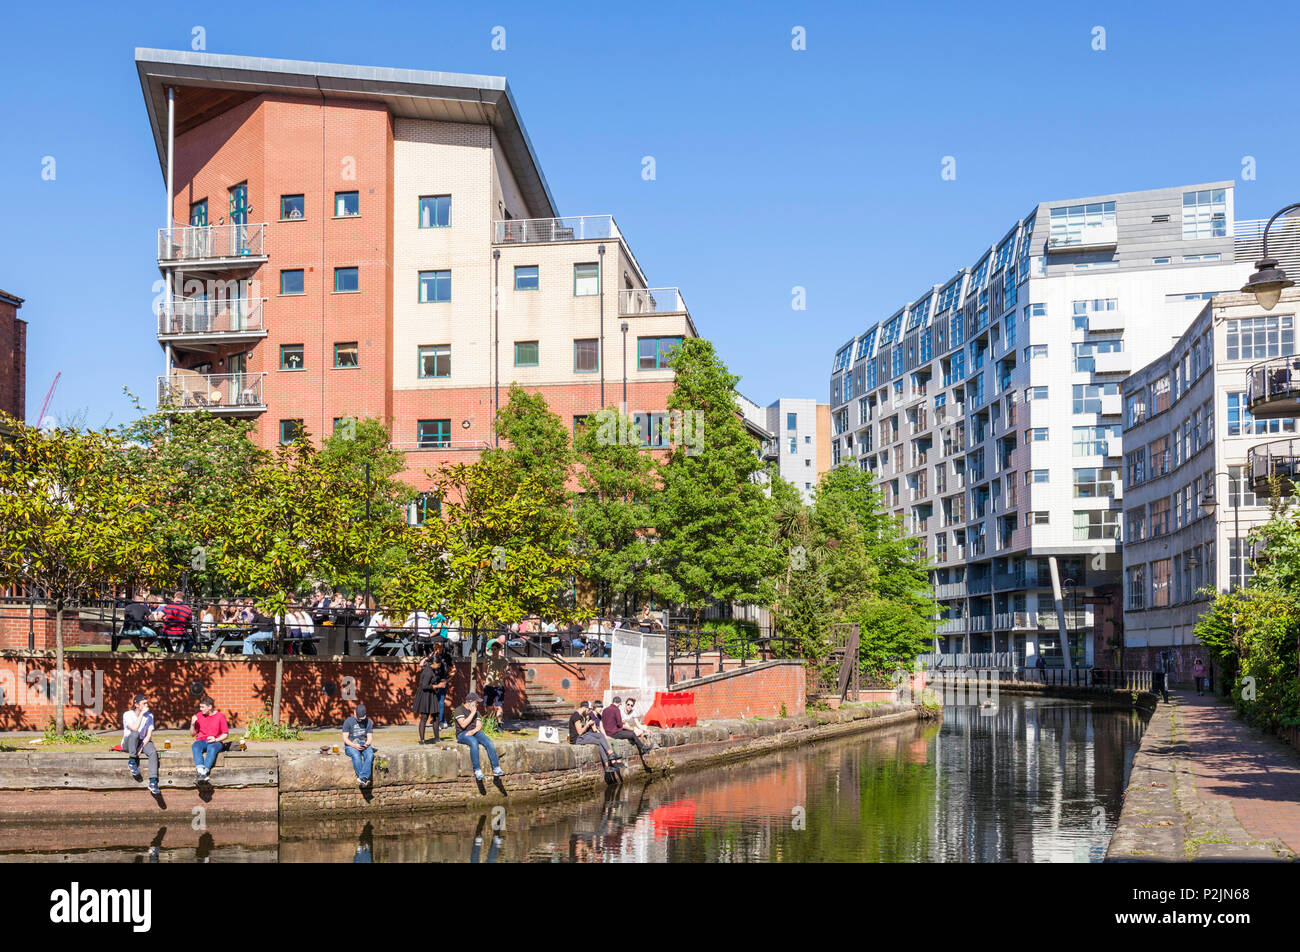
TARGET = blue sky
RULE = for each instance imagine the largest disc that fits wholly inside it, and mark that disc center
(775, 168)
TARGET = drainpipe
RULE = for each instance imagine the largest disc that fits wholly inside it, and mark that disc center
(1060, 611)
(169, 302)
(496, 343)
(600, 287)
(625, 367)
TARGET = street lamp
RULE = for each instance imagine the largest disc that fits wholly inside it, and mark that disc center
(1268, 281)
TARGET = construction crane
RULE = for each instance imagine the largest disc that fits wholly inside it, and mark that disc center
(45, 406)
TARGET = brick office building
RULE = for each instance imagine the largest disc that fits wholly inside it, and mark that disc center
(13, 357)
(349, 242)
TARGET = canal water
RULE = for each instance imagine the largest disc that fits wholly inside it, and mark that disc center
(1037, 780)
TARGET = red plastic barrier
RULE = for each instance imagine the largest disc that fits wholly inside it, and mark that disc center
(672, 709)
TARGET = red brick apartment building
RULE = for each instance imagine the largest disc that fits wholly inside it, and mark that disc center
(13, 357)
(347, 242)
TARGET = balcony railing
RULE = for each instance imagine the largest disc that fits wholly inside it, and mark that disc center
(1273, 467)
(950, 590)
(651, 301)
(195, 243)
(581, 228)
(188, 390)
(211, 318)
(1098, 235)
(1273, 388)
(979, 586)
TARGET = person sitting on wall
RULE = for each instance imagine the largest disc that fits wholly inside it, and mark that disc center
(583, 729)
(359, 741)
(612, 721)
(210, 733)
(137, 726)
(633, 723)
(469, 731)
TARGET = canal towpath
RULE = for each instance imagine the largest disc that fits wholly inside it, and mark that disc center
(1207, 786)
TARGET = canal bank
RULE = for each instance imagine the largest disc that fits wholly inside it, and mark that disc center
(286, 780)
(1205, 786)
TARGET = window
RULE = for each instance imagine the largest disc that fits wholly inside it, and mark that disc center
(586, 280)
(794, 444)
(1160, 578)
(792, 421)
(290, 430)
(1035, 310)
(199, 213)
(1035, 350)
(1081, 310)
(1193, 259)
(1135, 524)
(1036, 434)
(1037, 476)
(433, 433)
(435, 211)
(435, 287)
(1096, 524)
(526, 353)
(1160, 517)
(1137, 466)
(347, 204)
(1159, 456)
(1205, 213)
(1088, 396)
(1094, 440)
(651, 429)
(1084, 353)
(526, 278)
(346, 281)
(652, 352)
(1240, 569)
(1095, 483)
(291, 357)
(292, 206)
(1135, 581)
(1070, 222)
(345, 355)
(1241, 422)
(1256, 338)
(1239, 492)
(291, 282)
(586, 356)
(1135, 408)
(1037, 518)
(1035, 393)
(421, 508)
(435, 360)
(1160, 260)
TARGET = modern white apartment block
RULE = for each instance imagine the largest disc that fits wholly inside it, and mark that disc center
(989, 409)
(1208, 427)
(793, 433)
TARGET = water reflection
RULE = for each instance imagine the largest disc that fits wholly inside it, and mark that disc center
(1038, 780)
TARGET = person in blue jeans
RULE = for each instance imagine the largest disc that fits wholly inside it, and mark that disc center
(470, 733)
(359, 742)
(210, 731)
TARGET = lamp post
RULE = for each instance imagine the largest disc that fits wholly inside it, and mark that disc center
(1268, 281)
(1209, 504)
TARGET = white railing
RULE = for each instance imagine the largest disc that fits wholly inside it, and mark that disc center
(189, 390)
(1283, 242)
(651, 301)
(210, 317)
(581, 228)
(207, 242)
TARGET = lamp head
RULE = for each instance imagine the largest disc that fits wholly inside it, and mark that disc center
(1267, 283)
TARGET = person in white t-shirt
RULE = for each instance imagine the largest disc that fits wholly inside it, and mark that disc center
(137, 738)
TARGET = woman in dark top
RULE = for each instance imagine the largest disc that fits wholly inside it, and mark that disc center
(431, 692)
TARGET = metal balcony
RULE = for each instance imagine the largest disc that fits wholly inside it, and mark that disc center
(633, 301)
(211, 321)
(1273, 388)
(223, 394)
(545, 230)
(1273, 467)
(213, 247)
(1090, 237)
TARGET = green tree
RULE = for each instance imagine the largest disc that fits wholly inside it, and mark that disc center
(617, 479)
(803, 603)
(537, 443)
(196, 465)
(500, 551)
(713, 523)
(292, 523)
(73, 521)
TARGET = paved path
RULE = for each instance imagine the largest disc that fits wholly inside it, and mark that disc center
(1205, 786)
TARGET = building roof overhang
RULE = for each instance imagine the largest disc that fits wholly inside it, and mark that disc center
(209, 84)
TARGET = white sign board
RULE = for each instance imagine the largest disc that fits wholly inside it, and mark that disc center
(638, 667)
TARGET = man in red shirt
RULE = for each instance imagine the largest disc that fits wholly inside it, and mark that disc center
(210, 732)
(176, 620)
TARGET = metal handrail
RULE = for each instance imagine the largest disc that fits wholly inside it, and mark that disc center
(1278, 459)
(1276, 377)
(211, 316)
(205, 242)
(218, 391)
(633, 301)
(576, 228)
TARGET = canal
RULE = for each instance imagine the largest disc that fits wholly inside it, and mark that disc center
(1037, 780)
